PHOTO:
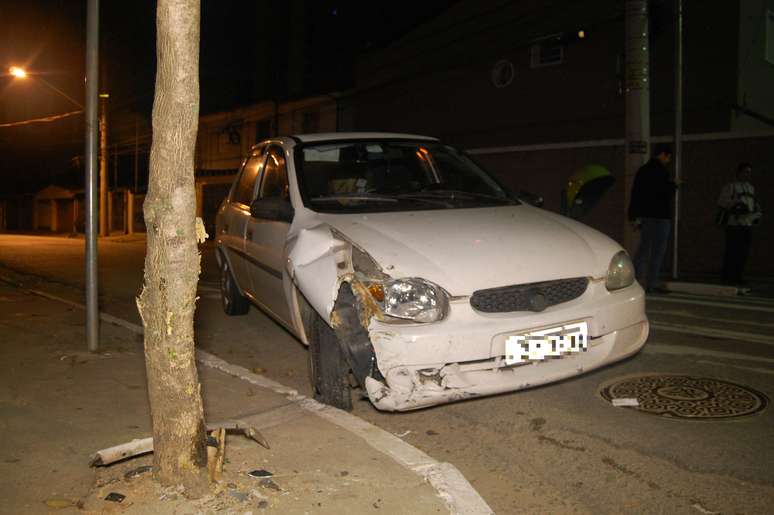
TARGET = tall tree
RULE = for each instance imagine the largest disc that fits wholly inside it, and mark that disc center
(172, 260)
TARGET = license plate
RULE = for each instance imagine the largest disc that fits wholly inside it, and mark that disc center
(546, 343)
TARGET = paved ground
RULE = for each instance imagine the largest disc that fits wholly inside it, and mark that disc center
(59, 404)
(558, 448)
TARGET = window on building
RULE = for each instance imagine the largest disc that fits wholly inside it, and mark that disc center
(770, 36)
(262, 130)
(310, 122)
(546, 52)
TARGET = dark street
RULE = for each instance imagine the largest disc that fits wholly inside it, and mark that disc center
(558, 448)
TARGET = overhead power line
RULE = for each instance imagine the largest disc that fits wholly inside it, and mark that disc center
(41, 120)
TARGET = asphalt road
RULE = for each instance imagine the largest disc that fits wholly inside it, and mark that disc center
(559, 448)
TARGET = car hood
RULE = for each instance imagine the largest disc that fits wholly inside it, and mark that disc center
(464, 250)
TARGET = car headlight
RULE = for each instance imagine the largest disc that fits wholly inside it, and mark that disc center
(414, 299)
(620, 273)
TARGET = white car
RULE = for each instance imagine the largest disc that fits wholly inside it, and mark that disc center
(411, 272)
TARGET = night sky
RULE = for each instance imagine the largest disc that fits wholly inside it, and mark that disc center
(246, 50)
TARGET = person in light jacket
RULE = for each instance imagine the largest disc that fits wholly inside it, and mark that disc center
(743, 212)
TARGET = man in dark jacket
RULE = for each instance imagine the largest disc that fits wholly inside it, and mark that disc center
(650, 208)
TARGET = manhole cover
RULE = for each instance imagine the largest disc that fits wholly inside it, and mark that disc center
(696, 398)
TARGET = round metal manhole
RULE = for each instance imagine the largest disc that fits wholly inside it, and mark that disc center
(684, 397)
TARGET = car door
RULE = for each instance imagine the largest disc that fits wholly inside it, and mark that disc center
(265, 239)
(238, 214)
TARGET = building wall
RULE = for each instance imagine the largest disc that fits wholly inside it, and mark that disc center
(756, 63)
(438, 79)
(709, 163)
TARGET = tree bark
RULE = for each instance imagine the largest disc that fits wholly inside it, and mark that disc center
(172, 260)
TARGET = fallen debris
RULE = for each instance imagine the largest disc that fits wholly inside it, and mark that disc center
(145, 445)
(270, 484)
(59, 504)
(260, 473)
(137, 472)
(216, 454)
(626, 402)
(115, 497)
(120, 452)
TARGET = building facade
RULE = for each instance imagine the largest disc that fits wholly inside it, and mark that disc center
(534, 90)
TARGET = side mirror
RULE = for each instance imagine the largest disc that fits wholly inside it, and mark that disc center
(277, 209)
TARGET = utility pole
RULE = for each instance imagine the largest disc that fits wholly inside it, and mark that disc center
(103, 157)
(92, 89)
(637, 98)
(678, 150)
(136, 153)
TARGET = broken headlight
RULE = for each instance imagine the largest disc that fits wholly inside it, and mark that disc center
(414, 299)
(620, 273)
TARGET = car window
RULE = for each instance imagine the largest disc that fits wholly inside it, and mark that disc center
(275, 176)
(362, 176)
(244, 193)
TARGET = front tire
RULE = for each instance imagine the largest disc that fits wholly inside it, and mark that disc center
(234, 303)
(328, 370)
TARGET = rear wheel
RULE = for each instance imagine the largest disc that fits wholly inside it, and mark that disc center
(328, 370)
(234, 303)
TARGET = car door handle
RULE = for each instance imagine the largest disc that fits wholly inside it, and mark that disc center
(249, 234)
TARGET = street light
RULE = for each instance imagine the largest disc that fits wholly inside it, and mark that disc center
(17, 72)
(21, 73)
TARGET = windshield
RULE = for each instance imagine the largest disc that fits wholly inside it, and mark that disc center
(367, 176)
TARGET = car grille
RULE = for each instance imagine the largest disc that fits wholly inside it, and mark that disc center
(528, 297)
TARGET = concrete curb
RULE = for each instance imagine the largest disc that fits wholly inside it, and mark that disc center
(458, 494)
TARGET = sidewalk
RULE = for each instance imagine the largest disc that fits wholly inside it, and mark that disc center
(59, 404)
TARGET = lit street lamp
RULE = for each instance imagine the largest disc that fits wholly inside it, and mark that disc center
(21, 73)
(17, 72)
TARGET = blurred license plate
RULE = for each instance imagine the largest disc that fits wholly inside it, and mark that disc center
(552, 342)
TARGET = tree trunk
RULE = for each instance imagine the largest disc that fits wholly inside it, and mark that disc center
(172, 260)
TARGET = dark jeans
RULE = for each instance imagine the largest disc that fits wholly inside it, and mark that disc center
(654, 235)
(738, 240)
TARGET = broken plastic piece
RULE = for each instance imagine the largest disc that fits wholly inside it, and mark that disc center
(137, 472)
(270, 484)
(115, 497)
(626, 401)
(136, 447)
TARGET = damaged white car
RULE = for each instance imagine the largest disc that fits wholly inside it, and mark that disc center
(414, 275)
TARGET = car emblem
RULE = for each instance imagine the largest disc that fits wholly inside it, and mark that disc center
(537, 300)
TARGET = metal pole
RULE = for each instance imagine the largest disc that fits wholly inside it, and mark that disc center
(92, 90)
(678, 150)
(115, 166)
(136, 153)
(637, 100)
(103, 158)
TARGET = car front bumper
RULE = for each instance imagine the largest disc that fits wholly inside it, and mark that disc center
(463, 356)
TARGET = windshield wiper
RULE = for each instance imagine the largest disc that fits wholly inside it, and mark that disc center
(354, 196)
(452, 194)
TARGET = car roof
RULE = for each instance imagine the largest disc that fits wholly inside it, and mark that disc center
(333, 136)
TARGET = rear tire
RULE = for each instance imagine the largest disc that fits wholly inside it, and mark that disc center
(328, 370)
(234, 303)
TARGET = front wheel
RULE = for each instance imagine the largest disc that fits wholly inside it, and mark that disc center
(328, 370)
